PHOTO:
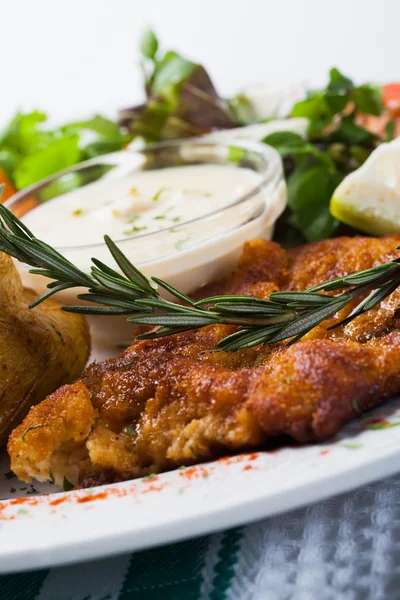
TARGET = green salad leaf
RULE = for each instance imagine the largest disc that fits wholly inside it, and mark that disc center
(181, 98)
(29, 151)
(336, 144)
(57, 155)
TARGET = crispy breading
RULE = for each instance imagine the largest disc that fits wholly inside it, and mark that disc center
(166, 402)
(40, 349)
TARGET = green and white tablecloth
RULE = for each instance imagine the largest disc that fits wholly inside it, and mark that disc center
(346, 548)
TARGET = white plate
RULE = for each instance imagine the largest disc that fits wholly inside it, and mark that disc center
(47, 527)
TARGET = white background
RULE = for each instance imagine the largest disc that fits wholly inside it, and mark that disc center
(77, 57)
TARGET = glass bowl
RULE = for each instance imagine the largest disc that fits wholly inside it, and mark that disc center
(208, 245)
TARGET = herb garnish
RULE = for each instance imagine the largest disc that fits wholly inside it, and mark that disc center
(9, 475)
(30, 429)
(181, 98)
(383, 425)
(135, 229)
(352, 446)
(30, 152)
(158, 194)
(51, 475)
(284, 316)
(67, 485)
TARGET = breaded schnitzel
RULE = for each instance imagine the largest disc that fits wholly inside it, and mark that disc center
(168, 402)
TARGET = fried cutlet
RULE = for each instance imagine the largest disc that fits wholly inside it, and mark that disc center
(168, 402)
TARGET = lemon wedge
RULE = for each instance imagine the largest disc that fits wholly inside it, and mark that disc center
(369, 198)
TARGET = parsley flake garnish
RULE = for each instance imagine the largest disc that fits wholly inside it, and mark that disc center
(352, 446)
(157, 195)
(179, 244)
(135, 229)
(132, 218)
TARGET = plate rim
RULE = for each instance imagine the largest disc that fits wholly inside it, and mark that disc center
(347, 479)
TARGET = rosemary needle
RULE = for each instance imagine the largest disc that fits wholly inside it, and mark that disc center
(285, 315)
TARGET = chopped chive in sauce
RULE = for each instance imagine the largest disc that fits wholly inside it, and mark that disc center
(134, 229)
(159, 217)
(131, 218)
(157, 195)
(150, 476)
(28, 429)
(77, 213)
(179, 244)
(133, 191)
(176, 219)
(23, 511)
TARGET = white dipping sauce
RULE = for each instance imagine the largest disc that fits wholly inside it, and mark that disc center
(141, 203)
(158, 202)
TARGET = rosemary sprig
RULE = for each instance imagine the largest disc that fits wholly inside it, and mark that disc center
(285, 315)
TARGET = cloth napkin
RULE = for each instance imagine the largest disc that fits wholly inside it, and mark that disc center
(346, 548)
